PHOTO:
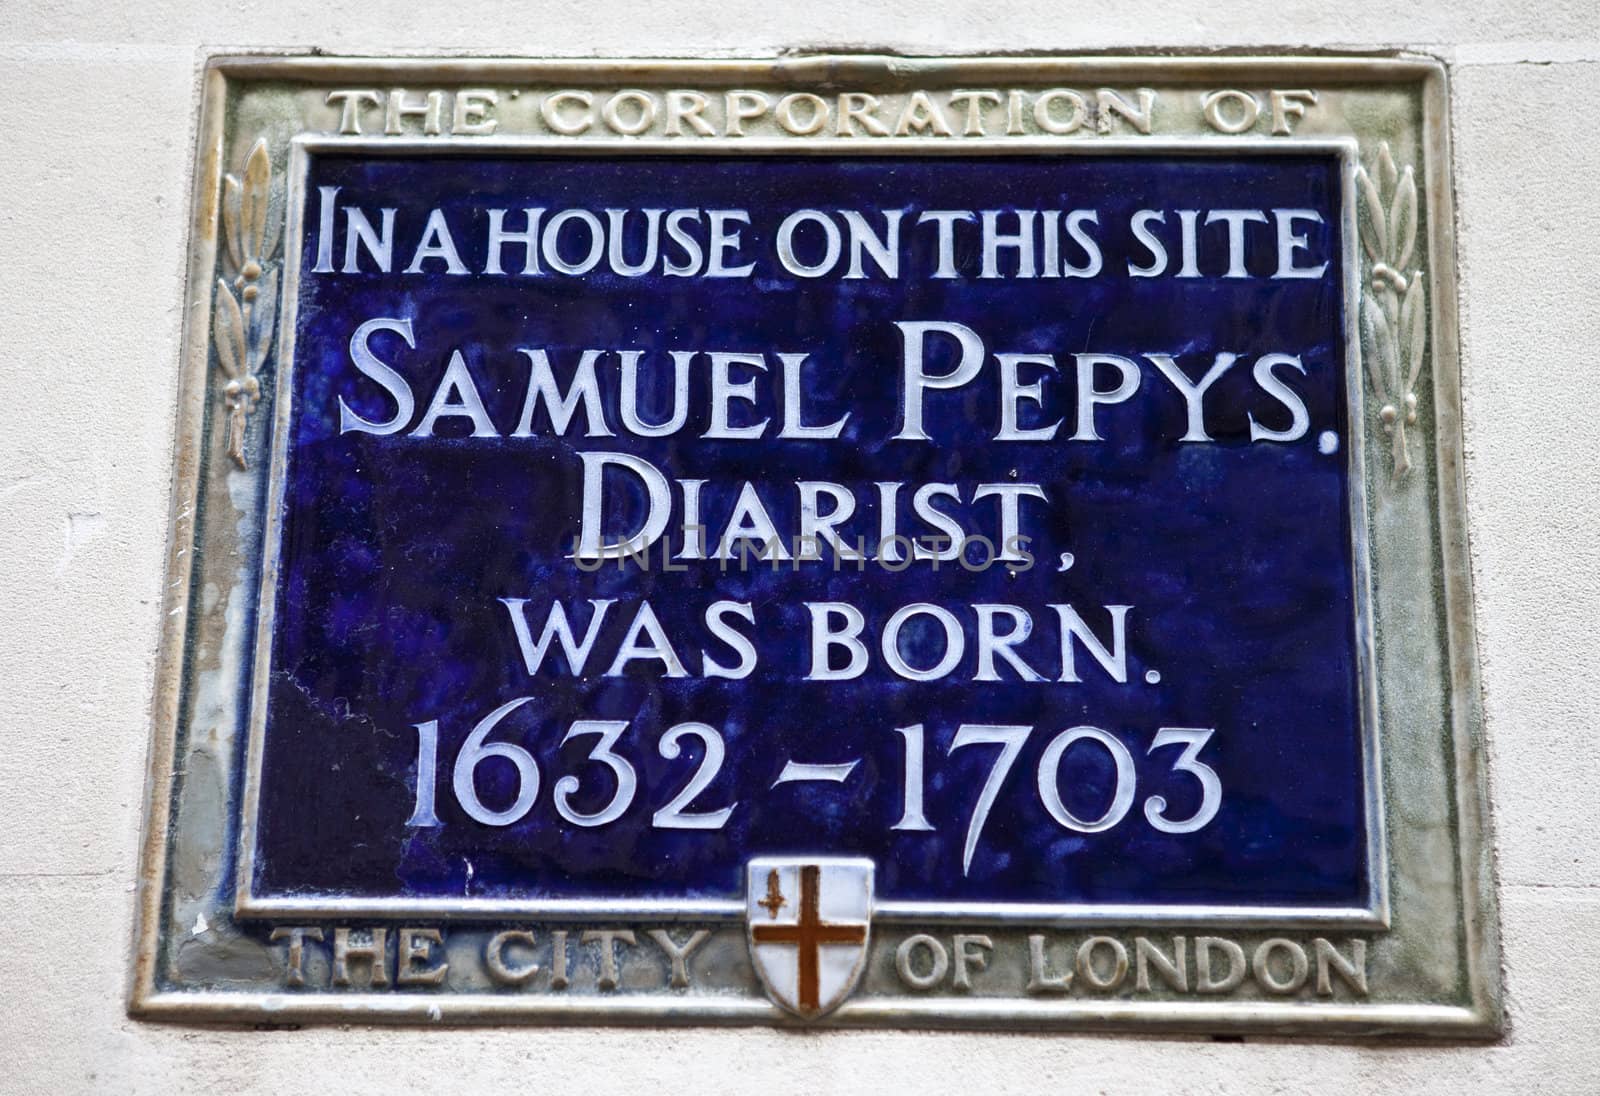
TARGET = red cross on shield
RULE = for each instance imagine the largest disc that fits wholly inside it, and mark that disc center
(809, 921)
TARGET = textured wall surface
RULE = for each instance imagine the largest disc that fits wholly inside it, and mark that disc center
(94, 163)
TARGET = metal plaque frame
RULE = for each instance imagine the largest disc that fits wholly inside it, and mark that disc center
(208, 949)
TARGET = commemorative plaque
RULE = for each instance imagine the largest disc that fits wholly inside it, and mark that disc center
(844, 541)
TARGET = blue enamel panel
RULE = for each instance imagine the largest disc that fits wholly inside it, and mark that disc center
(1235, 556)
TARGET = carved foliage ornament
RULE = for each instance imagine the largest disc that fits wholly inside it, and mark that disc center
(1393, 304)
(247, 294)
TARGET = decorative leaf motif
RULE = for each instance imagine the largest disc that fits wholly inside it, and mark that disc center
(269, 245)
(1393, 309)
(1403, 219)
(227, 328)
(230, 222)
(262, 314)
(1414, 329)
(1380, 358)
(246, 309)
(253, 209)
(1370, 218)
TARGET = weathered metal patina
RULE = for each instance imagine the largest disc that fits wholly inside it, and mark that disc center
(839, 540)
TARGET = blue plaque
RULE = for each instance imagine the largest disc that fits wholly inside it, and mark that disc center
(988, 518)
(844, 540)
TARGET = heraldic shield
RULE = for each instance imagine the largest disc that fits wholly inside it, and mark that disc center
(809, 918)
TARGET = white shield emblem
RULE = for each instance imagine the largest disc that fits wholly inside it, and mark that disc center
(809, 918)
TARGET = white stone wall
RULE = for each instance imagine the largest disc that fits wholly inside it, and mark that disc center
(99, 103)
